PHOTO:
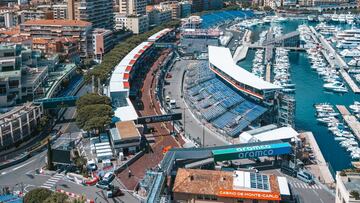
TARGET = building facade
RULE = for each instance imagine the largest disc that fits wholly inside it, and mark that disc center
(158, 16)
(53, 29)
(347, 186)
(137, 24)
(60, 11)
(18, 124)
(98, 12)
(205, 186)
(20, 78)
(102, 41)
(125, 137)
(132, 7)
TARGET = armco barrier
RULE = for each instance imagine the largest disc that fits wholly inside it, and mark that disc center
(12, 162)
(129, 162)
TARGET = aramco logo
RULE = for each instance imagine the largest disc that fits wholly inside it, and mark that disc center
(255, 151)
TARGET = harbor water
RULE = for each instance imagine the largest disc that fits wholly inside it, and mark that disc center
(309, 91)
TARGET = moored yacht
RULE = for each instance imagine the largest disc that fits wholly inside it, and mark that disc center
(335, 86)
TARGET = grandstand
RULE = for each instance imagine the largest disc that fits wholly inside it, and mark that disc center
(222, 64)
(124, 83)
(220, 105)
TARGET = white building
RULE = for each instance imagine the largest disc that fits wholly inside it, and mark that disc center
(9, 19)
(346, 183)
(158, 16)
(60, 11)
(285, 134)
(136, 23)
(132, 7)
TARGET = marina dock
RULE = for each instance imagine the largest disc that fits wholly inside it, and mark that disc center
(349, 81)
(350, 120)
(240, 53)
(334, 59)
(247, 37)
(268, 72)
(321, 168)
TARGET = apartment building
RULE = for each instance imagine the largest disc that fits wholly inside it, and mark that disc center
(98, 12)
(20, 78)
(135, 23)
(132, 7)
(18, 124)
(60, 11)
(102, 41)
(157, 15)
(53, 29)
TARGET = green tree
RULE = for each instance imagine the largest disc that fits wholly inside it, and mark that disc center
(37, 195)
(90, 99)
(93, 112)
(87, 115)
(57, 197)
(355, 194)
(50, 164)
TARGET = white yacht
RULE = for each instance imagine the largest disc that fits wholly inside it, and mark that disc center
(342, 18)
(321, 18)
(347, 33)
(350, 53)
(349, 18)
(348, 43)
(335, 17)
(355, 107)
(354, 62)
(311, 18)
(335, 86)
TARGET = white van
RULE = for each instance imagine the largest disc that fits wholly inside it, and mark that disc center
(167, 99)
(173, 104)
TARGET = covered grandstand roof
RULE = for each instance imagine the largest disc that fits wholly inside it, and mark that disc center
(284, 133)
(222, 59)
(120, 76)
(277, 134)
(126, 113)
(159, 34)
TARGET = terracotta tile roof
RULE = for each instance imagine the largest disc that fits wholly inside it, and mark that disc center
(12, 31)
(210, 182)
(79, 23)
(40, 41)
(207, 182)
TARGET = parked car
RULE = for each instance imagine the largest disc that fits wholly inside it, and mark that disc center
(104, 185)
(306, 177)
(109, 177)
(91, 165)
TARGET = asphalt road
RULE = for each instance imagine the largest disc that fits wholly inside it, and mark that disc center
(308, 194)
(22, 177)
(193, 126)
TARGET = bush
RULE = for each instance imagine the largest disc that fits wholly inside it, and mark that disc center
(355, 194)
(57, 197)
(37, 195)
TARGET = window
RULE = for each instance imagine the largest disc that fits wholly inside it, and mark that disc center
(7, 68)
(255, 201)
(240, 201)
(8, 54)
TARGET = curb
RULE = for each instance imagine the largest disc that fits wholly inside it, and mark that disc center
(73, 195)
